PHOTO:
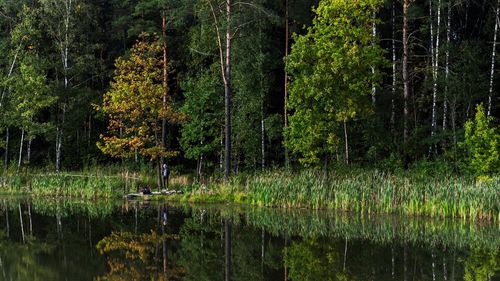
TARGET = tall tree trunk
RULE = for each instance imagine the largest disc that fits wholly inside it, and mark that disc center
(406, 3)
(89, 131)
(393, 107)
(374, 35)
(227, 249)
(9, 74)
(447, 66)
(65, 63)
(493, 56)
(435, 65)
(287, 38)
(28, 152)
(20, 150)
(227, 95)
(29, 216)
(225, 64)
(345, 254)
(6, 156)
(262, 142)
(346, 143)
(165, 90)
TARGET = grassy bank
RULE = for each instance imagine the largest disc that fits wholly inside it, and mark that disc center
(363, 191)
(356, 190)
(95, 182)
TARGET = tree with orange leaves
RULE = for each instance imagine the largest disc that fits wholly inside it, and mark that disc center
(137, 103)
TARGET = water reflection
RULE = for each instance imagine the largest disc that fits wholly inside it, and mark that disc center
(82, 240)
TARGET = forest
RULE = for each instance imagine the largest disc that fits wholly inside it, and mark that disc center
(217, 88)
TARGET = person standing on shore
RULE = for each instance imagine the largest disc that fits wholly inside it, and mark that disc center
(165, 173)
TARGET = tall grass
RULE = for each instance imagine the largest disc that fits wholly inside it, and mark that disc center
(373, 191)
(96, 182)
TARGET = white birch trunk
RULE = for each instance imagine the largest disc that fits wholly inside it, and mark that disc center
(393, 108)
(374, 35)
(346, 143)
(447, 67)
(435, 65)
(262, 141)
(28, 153)
(286, 79)
(493, 56)
(68, 5)
(8, 76)
(6, 156)
(436, 68)
(20, 150)
(406, 3)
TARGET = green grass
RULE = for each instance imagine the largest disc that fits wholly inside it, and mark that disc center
(362, 191)
(97, 182)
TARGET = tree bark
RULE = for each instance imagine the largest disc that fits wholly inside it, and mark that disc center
(406, 3)
(31, 221)
(28, 152)
(20, 150)
(65, 63)
(435, 65)
(447, 67)
(6, 156)
(374, 35)
(393, 107)
(493, 56)
(287, 38)
(165, 91)
(346, 143)
(225, 63)
(227, 95)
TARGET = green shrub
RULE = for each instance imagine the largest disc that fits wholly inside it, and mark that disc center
(482, 141)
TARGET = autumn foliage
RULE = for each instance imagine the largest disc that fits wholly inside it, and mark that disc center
(135, 103)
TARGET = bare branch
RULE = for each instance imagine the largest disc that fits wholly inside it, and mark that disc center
(260, 9)
(219, 42)
(240, 26)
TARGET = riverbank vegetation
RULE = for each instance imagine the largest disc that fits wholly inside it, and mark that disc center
(257, 102)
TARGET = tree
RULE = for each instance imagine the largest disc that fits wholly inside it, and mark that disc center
(134, 104)
(201, 131)
(332, 78)
(483, 142)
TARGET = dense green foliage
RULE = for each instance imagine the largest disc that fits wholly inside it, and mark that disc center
(331, 67)
(294, 83)
(483, 142)
(344, 101)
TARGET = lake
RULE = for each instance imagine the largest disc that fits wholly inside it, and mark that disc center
(53, 239)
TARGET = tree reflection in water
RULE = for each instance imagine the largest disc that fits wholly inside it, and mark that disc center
(134, 241)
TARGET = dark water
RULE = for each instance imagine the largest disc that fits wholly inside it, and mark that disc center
(77, 240)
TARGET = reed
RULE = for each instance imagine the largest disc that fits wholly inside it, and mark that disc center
(366, 192)
(99, 182)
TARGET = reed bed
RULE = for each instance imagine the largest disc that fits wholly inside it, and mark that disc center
(370, 192)
(76, 185)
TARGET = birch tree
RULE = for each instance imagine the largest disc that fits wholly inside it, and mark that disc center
(435, 63)
(406, 95)
(493, 58)
(61, 25)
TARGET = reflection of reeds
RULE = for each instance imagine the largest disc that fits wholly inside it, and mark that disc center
(377, 192)
(63, 208)
(382, 229)
(79, 185)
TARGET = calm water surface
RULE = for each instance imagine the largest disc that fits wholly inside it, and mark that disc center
(82, 240)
